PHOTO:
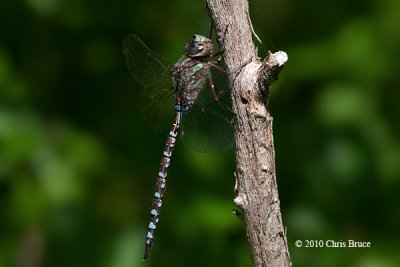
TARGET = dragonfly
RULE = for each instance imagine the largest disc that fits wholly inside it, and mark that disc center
(175, 93)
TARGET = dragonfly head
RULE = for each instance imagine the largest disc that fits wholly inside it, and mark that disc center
(199, 46)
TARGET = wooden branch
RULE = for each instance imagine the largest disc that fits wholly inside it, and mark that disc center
(249, 78)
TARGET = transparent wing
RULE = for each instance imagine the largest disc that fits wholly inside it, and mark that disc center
(157, 110)
(153, 73)
(207, 128)
(147, 67)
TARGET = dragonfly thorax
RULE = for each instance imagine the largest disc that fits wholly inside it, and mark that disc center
(189, 77)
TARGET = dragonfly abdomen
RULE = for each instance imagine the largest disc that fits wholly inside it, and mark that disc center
(161, 182)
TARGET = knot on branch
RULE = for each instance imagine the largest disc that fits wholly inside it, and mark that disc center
(271, 66)
(241, 201)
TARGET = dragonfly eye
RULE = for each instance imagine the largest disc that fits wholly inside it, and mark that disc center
(198, 46)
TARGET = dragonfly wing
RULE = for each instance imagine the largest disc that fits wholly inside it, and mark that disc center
(207, 130)
(153, 73)
(147, 67)
(157, 110)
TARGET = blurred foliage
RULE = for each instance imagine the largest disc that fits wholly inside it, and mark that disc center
(77, 164)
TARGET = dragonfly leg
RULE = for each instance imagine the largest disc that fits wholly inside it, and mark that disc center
(212, 86)
(217, 54)
(218, 67)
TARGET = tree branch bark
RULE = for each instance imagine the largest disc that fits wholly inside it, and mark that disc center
(249, 78)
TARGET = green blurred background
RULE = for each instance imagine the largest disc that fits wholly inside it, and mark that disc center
(78, 165)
